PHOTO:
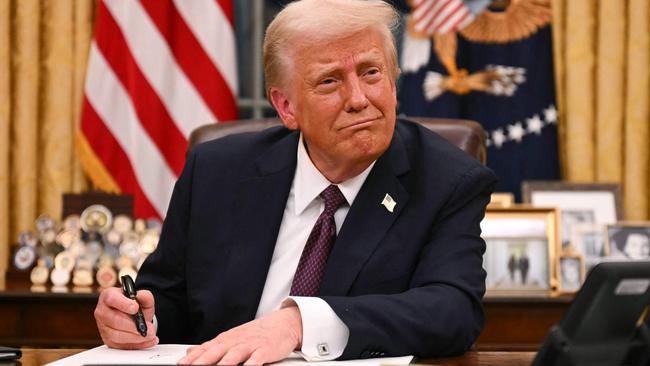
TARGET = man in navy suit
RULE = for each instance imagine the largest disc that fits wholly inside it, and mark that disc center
(401, 272)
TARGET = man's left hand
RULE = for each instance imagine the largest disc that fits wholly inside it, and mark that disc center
(267, 339)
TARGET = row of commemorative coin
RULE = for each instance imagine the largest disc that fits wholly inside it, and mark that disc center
(92, 248)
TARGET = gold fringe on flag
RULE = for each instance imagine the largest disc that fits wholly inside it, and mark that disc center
(93, 167)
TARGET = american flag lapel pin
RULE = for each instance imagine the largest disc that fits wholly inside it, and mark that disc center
(389, 203)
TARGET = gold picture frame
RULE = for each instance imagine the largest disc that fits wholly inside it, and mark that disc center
(501, 199)
(521, 247)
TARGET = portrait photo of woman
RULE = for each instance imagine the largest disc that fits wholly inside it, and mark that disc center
(629, 242)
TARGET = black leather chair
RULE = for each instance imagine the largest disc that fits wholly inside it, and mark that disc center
(467, 135)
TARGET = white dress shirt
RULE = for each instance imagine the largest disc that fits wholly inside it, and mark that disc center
(324, 335)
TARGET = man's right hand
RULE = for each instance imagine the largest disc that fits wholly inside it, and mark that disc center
(114, 317)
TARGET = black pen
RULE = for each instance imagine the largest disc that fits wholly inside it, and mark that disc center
(129, 291)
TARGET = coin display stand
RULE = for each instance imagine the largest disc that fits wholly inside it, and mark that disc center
(94, 248)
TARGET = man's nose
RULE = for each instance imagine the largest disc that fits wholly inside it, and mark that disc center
(356, 99)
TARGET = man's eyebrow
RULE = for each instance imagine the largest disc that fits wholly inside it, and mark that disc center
(371, 57)
(323, 69)
(332, 66)
(371, 62)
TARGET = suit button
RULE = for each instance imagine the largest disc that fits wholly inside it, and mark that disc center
(365, 354)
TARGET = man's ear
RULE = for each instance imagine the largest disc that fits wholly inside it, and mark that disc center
(284, 107)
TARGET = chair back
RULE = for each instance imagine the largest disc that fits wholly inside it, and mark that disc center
(467, 135)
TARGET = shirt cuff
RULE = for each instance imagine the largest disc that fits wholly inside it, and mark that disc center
(324, 335)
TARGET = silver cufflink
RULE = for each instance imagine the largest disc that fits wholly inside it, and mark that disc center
(323, 349)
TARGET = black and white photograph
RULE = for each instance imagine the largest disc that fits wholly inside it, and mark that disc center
(588, 239)
(517, 264)
(595, 203)
(521, 246)
(572, 272)
(570, 218)
(629, 241)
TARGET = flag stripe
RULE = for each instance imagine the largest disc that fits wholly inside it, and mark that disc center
(445, 12)
(150, 110)
(452, 19)
(210, 26)
(112, 104)
(439, 7)
(156, 71)
(153, 55)
(192, 58)
(114, 159)
(440, 16)
(423, 11)
(228, 10)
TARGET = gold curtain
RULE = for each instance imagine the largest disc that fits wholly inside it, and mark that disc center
(43, 52)
(602, 59)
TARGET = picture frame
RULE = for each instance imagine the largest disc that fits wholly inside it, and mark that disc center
(589, 239)
(593, 203)
(571, 272)
(501, 199)
(521, 246)
(629, 240)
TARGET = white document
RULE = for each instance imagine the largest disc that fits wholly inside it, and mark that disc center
(159, 355)
(169, 354)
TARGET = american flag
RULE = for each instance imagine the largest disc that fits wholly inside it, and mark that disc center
(440, 16)
(157, 70)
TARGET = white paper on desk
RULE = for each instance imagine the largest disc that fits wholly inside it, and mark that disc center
(168, 354)
(159, 355)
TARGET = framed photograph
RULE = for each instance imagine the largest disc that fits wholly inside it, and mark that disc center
(589, 240)
(571, 272)
(579, 203)
(629, 240)
(522, 242)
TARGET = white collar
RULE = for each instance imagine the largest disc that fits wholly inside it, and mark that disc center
(309, 182)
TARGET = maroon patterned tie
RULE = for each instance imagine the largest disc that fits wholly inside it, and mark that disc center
(311, 267)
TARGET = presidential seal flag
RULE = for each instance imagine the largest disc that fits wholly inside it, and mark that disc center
(497, 70)
(157, 70)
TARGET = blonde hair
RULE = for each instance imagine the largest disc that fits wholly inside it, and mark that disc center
(325, 20)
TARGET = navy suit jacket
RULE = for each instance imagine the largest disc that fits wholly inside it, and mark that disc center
(404, 282)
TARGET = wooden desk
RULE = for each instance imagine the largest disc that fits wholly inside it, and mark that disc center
(47, 318)
(520, 323)
(485, 358)
(51, 319)
(37, 357)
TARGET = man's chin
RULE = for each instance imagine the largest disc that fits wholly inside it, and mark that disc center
(369, 151)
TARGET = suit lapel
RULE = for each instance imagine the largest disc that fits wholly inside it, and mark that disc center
(368, 220)
(259, 206)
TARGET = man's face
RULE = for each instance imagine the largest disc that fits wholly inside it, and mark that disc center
(637, 246)
(341, 95)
